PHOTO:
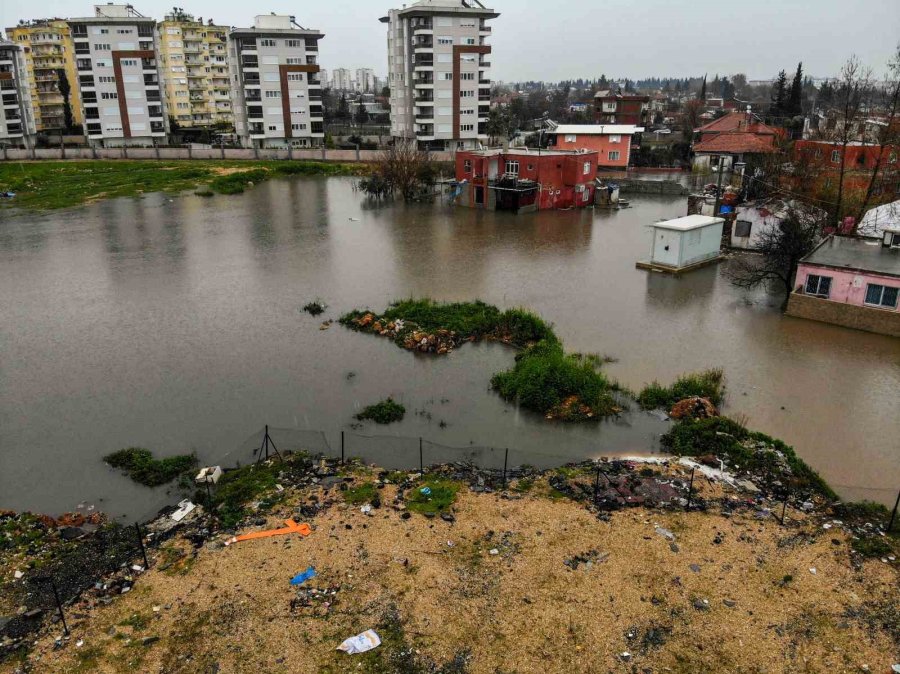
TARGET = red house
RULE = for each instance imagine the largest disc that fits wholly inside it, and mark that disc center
(619, 108)
(612, 142)
(523, 179)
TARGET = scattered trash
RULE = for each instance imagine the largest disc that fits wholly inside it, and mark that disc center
(812, 570)
(425, 491)
(279, 488)
(366, 509)
(895, 668)
(827, 525)
(587, 558)
(137, 567)
(209, 474)
(665, 532)
(494, 551)
(184, 507)
(79, 643)
(291, 528)
(361, 643)
(303, 576)
(18, 574)
(626, 656)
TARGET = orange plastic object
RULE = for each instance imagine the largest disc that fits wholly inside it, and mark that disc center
(291, 528)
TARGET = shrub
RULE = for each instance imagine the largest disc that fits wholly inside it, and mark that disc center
(315, 307)
(143, 468)
(707, 384)
(238, 487)
(384, 412)
(234, 183)
(364, 493)
(442, 496)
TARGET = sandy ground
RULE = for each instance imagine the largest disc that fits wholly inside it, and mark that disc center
(521, 610)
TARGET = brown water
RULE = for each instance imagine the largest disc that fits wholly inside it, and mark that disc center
(174, 324)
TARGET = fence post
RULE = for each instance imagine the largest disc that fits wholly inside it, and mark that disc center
(421, 462)
(94, 151)
(597, 483)
(290, 152)
(156, 148)
(690, 490)
(505, 460)
(62, 146)
(784, 507)
(124, 152)
(140, 536)
(357, 152)
(4, 154)
(222, 145)
(59, 607)
(190, 152)
(323, 151)
(894, 513)
(342, 446)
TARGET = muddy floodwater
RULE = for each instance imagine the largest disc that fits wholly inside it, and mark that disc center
(174, 323)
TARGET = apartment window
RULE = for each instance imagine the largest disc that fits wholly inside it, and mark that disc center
(101, 31)
(466, 94)
(467, 76)
(109, 95)
(615, 138)
(265, 42)
(183, 106)
(295, 60)
(298, 127)
(820, 286)
(124, 31)
(466, 127)
(443, 39)
(469, 40)
(446, 76)
(294, 43)
(467, 165)
(178, 69)
(102, 64)
(106, 79)
(466, 23)
(613, 154)
(881, 296)
(467, 111)
(570, 138)
(512, 167)
(129, 62)
(835, 156)
(172, 31)
(587, 167)
(101, 47)
(296, 77)
(273, 94)
(273, 127)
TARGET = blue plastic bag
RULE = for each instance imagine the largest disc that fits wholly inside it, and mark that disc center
(303, 576)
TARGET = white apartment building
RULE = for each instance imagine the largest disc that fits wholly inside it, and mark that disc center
(365, 80)
(17, 128)
(118, 76)
(438, 72)
(276, 92)
(342, 79)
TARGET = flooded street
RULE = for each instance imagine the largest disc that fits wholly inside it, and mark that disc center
(175, 324)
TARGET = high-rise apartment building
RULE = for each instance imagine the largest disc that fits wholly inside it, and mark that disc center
(16, 116)
(365, 80)
(194, 63)
(118, 74)
(342, 79)
(50, 63)
(439, 72)
(275, 85)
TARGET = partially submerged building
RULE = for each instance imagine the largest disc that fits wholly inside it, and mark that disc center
(851, 281)
(733, 138)
(524, 180)
(611, 142)
(684, 243)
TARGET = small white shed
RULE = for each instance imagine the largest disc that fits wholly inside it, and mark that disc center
(684, 243)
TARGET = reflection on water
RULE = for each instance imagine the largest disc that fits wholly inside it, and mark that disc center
(174, 323)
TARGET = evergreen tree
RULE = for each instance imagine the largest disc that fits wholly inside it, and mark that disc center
(62, 83)
(795, 97)
(727, 89)
(779, 100)
(343, 109)
(703, 89)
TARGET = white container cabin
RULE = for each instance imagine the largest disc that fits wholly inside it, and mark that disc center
(684, 243)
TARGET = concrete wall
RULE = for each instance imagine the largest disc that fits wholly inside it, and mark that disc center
(10, 154)
(848, 315)
(847, 286)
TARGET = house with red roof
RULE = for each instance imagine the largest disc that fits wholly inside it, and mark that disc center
(730, 139)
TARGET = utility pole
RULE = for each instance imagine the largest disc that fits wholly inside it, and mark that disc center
(719, 187)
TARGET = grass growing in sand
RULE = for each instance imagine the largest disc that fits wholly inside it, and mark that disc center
(45, 185)
(363, 493)
(237, 488)
(384, 412)
(442, 496)
(708, 384)
(545, 379)
(143, 468)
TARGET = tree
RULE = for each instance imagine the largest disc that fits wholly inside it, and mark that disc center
(780, 248)
(703, 89)
(778, 97)
(727, 89)
(385, 92)
(692, 110)
(62, 83)
(343, 108)
(401, 169)
(499, 124)
(361, 115)
(795, 95)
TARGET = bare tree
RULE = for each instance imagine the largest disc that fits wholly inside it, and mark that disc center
(780, 248)
(401, 169)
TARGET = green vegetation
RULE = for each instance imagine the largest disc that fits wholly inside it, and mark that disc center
(363, 493)
(43, 185)
(544, 379)
(237, 488)
(385, 412)
(315, 307)
(442, 496)
(143, 468)
(708, 384)
(749, 451)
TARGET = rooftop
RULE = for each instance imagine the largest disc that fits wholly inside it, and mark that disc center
(856, 254)
(687, 222)
(876, 220)
(597, 129)
(738, 121)
(736, 142)
(464, 7)
(525, 152)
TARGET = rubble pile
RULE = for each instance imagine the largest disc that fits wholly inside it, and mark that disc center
(694, 407)
(407, 334)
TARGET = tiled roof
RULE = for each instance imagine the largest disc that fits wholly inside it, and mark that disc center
(736, 142)
(738, 121)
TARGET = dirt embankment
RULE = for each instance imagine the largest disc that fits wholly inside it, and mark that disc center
(518, 580)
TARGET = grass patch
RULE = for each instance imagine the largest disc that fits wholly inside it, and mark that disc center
(143, 468)
(708, 384)
(315, 307)
(442, 496)
(237, 488)
(47, 185)
(137, 622)
(363, 493)
(385, 412)
(749, 451)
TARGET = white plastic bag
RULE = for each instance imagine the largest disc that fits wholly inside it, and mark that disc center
(360, 643)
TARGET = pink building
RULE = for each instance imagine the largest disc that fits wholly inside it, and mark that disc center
(611, 142)
(854, 282)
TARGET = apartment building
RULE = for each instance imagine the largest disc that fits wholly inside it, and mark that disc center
(439, 72)
(342, 79)
(16, 118)
(122, 97)
(275, 83)
(194, 61)
(52, 77)
(365, 81)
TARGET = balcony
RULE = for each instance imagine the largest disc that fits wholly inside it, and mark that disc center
(256, 129)
(157, 127)
(250, 63)
(148, 64)
(253, 97)
(425, 117)
(484, 64)
(83, 64)
(484, 97)
(246, 45)
(424, 80)
(151, 81)
(423, 63)
(484, 28)
(251, 82)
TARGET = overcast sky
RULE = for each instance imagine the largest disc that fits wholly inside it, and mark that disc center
(561, 39)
